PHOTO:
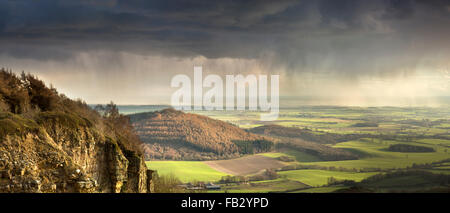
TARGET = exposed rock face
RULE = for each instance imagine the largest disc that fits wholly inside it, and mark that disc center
(50, 143)
(57, 158)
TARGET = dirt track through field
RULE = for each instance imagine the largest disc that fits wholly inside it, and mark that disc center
(245, 165)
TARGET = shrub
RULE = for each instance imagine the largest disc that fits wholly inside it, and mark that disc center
(409, 148)
(167, 184)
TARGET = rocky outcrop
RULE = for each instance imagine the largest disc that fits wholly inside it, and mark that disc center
(55, 157)
(50, 143)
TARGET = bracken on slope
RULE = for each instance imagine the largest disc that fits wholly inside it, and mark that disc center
(175, 135)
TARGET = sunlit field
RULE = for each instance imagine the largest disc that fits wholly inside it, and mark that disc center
(186, 171)
(425, 127)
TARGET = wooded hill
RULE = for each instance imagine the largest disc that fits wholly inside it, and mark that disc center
(174, 135)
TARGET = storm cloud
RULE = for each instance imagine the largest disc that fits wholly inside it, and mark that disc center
(347, 37)
(298, 33)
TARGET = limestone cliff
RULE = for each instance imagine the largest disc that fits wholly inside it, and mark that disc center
(58, 158)
(64, 146)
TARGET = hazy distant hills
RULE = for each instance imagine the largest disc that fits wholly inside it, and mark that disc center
(174, 135)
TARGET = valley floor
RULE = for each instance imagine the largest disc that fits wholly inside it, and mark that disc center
(427, 127)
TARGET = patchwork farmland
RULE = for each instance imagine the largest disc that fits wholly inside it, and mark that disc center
(365, 134)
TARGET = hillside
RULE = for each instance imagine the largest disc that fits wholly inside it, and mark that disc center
(174, 135)
(49, 143)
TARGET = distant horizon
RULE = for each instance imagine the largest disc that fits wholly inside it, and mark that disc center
(294, 101)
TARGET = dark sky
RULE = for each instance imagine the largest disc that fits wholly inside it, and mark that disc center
(89, 48)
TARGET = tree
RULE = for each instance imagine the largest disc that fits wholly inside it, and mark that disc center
(121, 124)
(41, 96)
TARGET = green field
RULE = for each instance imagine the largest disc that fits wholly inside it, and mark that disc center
(383, 159)
(186, 171)
(298, 156)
